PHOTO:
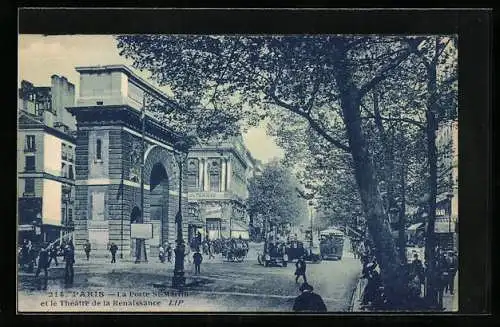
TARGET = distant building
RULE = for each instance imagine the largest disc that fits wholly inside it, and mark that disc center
(447, 195)
(45, 160)
(218, 176)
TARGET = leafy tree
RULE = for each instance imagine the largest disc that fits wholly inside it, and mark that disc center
(272, 197)
(325, 80)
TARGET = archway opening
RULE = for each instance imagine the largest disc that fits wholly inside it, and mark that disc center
(158, 186)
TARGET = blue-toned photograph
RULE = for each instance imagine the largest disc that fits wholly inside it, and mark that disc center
(237, 173)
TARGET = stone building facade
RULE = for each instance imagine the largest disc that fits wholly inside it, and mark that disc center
(108, 151)
(218, 175)
(45, 160)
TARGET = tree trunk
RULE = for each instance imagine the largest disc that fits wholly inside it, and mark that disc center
(402, 216)
(372, 203)
(388, 150)
(432, 157)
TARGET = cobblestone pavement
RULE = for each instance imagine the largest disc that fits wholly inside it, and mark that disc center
(221, 286)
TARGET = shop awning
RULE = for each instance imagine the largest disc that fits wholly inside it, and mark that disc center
(414, 227)
(25, 228)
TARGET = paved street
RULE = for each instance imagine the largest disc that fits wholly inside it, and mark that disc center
(221, 286)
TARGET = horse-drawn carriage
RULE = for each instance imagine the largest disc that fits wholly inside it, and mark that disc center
(274, 254)
(235, 250)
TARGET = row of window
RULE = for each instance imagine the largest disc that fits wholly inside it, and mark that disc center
(67, 152)
(195, 185)
(66, 149)
(67, 170)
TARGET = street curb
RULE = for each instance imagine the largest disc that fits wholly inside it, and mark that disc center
(353, 295)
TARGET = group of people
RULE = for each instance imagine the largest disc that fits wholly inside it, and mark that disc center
(112, 248)
(373, 291)
(45, 255)
(165, 252)
(415, 274)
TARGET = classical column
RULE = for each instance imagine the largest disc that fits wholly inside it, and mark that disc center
(200, 174)
(228, 172)
(223, 175)
(206, 186)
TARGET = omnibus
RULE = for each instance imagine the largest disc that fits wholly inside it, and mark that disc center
(331, 244)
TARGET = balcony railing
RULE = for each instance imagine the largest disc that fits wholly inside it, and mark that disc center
(210, 195)
(29, 149)
(29, 168)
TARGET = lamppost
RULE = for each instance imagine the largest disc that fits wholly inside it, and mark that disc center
(179, 280)
(308, 196)
(65, 223)
(312, 234)
(37, 226)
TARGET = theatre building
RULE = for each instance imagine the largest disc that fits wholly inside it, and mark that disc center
(108, 164)
(45, 160)
(218, 175)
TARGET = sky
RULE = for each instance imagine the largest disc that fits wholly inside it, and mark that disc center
(43, 56)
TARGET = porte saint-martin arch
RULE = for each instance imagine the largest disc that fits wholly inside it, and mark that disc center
(108, 159)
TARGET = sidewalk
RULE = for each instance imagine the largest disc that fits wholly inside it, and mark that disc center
(450, 302)
(356, 296)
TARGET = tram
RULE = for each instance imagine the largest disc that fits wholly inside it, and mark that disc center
(331, 244)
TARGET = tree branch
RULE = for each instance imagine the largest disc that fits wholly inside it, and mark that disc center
(382, 74)
(404, 120)
(310, 103)
(311, 121)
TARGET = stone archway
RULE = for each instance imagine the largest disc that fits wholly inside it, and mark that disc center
(162, 174)
(158, 204)
(135, 215)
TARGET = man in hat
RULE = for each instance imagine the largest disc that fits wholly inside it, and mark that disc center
(113, 249)
(87, 249)
(52, 254)
(300, 269)
(43, 264)
(69, 259)
(308, 300)
(452, 265)
(197, 259)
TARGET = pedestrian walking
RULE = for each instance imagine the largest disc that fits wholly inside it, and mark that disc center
(87, 248)
(440, 276)
(161, 254)
(169, 252)
(211, 250)
(43, 264)
(308, 301)
(113, 248)
(197, 259)
(372, 290)
(69, 259)
(452, 265)
(52, 255)
(300, 269)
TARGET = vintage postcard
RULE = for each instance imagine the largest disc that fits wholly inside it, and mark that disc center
(241, 173)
